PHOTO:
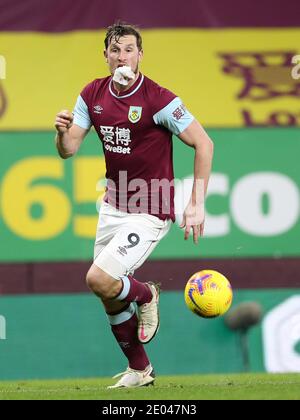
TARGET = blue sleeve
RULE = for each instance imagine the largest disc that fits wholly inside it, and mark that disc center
(175, 117)
(81, 114)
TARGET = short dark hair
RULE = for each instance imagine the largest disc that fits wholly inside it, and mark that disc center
(119, 29)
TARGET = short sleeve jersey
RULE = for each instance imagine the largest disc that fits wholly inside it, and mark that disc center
(135, 129)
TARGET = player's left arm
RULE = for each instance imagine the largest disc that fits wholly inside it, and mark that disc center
(179, 121)
(193, 218)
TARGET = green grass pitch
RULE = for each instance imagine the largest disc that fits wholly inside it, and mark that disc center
(194, 387)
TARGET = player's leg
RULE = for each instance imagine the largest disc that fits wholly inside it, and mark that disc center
(116, 287)
(128, 249)
(121, 315)
(124, 323)
(107, 278)
(117, 290)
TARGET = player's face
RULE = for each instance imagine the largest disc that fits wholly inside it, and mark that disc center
(123, 53)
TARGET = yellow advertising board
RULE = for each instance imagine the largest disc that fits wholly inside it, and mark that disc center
(227, 78)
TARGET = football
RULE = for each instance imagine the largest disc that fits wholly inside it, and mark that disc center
(208, 294)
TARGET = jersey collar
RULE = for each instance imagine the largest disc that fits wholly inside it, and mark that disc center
(135, 87)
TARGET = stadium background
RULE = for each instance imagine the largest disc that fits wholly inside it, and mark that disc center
(232, 64)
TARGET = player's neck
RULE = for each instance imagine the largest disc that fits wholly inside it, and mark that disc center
(121, 88)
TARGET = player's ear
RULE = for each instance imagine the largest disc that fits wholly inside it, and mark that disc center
(141, 55)
(105, 55)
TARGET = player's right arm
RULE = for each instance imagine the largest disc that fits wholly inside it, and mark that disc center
(69, 136)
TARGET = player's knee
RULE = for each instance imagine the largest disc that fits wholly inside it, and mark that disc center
(102, 284)
(92, 281)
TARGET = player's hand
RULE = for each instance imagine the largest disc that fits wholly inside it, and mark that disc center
(63, 121)
(193, 218)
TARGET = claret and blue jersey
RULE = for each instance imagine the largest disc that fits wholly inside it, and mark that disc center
(136, 129)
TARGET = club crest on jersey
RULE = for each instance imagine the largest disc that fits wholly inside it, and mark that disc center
(135, 114)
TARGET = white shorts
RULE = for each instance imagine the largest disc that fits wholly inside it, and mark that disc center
(125, 240)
